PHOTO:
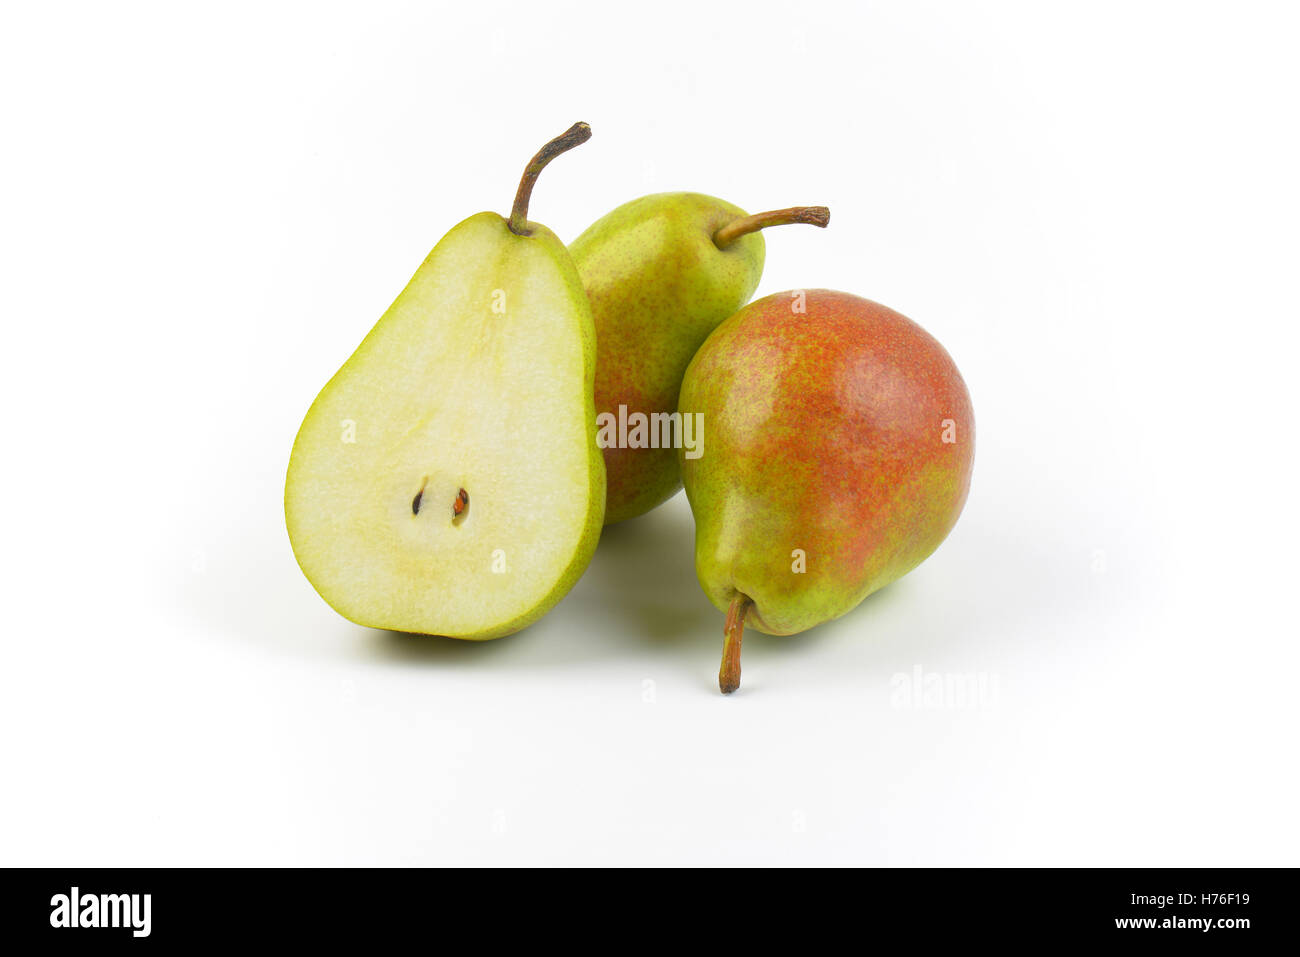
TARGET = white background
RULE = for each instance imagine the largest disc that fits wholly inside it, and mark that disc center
(1093, 206)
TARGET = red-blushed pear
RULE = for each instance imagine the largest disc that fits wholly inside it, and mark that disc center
(446, 480)
(661, 272)
(837, 455)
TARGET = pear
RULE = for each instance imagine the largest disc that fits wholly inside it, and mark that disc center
(839, 455)
(662, 272)
(446, 480)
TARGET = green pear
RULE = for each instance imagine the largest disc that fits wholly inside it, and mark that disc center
(446, 480)
(839, 454)
(661, 272)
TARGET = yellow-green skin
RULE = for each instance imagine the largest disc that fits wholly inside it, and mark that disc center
(658, 285)
(449, 391)
(840, 446)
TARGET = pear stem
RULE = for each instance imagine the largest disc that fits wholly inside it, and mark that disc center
(813, 215)
(729, 673)
(575, 135)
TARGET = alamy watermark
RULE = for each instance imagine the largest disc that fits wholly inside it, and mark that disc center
(922, 690)
(76, 909)
(658, 430)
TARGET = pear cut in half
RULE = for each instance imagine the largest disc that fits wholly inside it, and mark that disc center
(447, 480)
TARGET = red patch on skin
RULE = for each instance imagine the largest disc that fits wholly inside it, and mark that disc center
(625, 468)
(839, 411)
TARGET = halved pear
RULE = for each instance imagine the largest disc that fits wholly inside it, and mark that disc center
(447, 480)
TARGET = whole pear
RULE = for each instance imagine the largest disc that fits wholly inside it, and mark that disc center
(661, 273)
(839, 454)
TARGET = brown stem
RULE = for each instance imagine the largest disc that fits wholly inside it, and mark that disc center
(729, 673)
(575, 135)
(728, 234)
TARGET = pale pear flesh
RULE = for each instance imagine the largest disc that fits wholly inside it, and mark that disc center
(446, 480)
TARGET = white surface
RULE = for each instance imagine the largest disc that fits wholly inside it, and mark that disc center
(1092, 206)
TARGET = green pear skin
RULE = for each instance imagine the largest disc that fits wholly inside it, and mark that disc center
(840, 444)
(658, 285)
(446, 480)
(659, 282)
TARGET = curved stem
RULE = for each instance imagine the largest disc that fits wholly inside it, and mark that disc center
(813, 215)
(729, 673)
(575, 135)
